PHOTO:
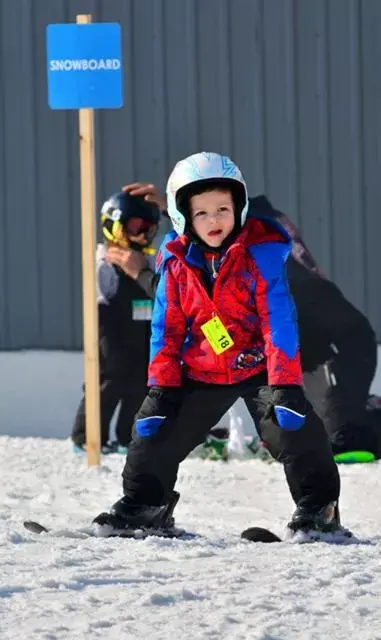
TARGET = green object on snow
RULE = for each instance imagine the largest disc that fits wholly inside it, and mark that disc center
(215, 448)
(351, 457)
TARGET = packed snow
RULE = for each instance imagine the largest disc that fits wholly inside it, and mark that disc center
(65, 585)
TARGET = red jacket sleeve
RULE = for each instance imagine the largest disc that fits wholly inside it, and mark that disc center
(277, 314)
(168, 331)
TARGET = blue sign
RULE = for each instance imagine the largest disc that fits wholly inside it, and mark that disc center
(84, 66)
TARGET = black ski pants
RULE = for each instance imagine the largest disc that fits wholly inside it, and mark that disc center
(339, 390)
(152, 462)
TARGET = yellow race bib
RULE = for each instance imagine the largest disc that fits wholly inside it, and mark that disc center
(217, 336)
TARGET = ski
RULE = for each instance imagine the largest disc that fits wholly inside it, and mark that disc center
(252, 534)
(96, 531)
(35, 527)
(259, 534)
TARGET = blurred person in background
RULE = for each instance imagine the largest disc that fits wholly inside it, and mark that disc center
(125, 284)
(338, 349)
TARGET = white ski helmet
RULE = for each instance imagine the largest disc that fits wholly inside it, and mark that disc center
(203, 167)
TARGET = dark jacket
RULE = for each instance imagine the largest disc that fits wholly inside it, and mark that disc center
(124, 311)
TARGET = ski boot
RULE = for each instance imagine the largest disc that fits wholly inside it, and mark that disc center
(127, 519)
(215, 446)
(309, 523)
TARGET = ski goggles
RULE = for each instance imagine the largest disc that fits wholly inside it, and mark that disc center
(137, 226)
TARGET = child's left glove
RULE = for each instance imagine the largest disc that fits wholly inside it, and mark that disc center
(289, 406)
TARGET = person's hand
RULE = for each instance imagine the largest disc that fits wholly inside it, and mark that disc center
(149, 191)
(289, 406)
(132, 262)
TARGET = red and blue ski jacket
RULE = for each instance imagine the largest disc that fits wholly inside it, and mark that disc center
(250, 296)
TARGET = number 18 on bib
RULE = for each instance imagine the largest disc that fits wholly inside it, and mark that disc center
(217, 336)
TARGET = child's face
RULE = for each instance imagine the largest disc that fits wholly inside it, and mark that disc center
(212, 214)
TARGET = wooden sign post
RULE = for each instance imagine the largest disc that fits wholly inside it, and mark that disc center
(85, 73)
(89, 295)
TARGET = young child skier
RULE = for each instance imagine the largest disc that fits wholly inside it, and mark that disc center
(125, 287)
(223, 327)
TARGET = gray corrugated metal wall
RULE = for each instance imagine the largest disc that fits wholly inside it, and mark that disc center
(289, 88)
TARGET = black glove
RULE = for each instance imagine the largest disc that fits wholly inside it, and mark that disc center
(163, 401)
(289, 406)
(166, 395)
(160, 404)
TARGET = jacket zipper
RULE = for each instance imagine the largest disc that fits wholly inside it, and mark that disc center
(214, 297)
(214, 311)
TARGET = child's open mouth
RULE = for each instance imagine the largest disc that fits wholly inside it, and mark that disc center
(213, 234)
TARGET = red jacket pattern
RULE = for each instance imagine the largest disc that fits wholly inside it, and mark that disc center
(250, 296)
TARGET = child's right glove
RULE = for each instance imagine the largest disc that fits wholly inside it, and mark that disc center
(289, 406)
(159, 405)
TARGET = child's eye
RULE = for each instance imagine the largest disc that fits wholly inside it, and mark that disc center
(200, 213)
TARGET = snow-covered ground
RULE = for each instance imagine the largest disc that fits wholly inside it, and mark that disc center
(64, 586)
